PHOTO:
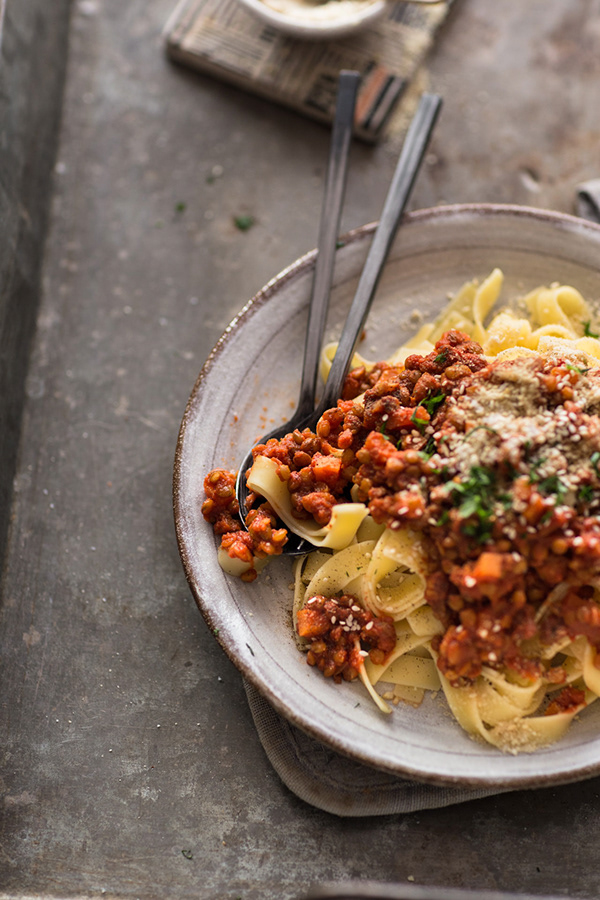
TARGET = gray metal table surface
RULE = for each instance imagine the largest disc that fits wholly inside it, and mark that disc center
(130, 763)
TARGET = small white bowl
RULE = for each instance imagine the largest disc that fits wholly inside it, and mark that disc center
(332, 19)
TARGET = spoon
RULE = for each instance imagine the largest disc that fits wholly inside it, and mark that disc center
(409, 163)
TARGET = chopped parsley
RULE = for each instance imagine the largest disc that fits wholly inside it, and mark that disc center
(443, 519)
(441, 358)
(420, 423)
(479, 428)
(595, 459)
(535, 465)
(588, 331)
(586, 493)
(553, 485)
(577, 369)
(244, 222)
(432, 404)
(429, 448)
(550, 485)
(474, 499)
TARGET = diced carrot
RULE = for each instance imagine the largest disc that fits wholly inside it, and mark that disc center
(488, 567)
(326, 468)
(312, 623)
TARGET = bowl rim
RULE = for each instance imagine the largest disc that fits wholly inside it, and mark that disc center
(293, 270)
(301, 26)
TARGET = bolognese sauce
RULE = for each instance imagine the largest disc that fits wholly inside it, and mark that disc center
(495, 463)
(337, 631)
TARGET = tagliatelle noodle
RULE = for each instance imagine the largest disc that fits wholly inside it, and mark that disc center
(345, 518)
(394, 581)
(236, 567)
(341, 570)
(481, 713)
(556, 311)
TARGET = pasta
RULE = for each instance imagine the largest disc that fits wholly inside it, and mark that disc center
(454, 497)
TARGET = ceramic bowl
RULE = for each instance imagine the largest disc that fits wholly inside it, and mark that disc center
(250, 382)
(332, 19)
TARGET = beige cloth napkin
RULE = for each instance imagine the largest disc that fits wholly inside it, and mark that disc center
(339, 785)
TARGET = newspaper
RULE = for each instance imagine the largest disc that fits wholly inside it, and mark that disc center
(222, 38)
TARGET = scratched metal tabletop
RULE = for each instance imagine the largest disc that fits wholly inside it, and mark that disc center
(130, 763)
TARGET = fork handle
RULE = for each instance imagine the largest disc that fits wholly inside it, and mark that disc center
(400, 189)
(333, 198)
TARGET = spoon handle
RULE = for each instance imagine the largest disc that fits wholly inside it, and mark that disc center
(333, 198)
(400, 189)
